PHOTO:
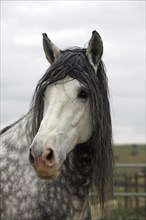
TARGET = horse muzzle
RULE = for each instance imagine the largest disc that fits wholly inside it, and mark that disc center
(45, 164)
(45, 171)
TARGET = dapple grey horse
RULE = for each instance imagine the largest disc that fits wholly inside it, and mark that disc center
(61, 149)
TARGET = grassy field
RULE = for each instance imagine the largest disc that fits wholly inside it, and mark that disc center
(121, 214)
(130, 154)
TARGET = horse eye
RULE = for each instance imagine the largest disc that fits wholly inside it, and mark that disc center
(83, 94)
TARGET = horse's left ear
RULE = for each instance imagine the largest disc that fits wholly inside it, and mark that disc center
(95, 49)
(52, 52)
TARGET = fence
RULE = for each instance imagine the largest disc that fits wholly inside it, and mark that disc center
(130, 199)
(134, 186)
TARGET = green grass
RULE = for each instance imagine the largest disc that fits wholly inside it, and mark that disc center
(130, 154)
(124, 153)
(123, 214)
(128, 214)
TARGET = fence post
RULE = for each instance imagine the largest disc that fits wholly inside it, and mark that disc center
(126, 190)
(136, 190)
(130, 189)
(145, 185)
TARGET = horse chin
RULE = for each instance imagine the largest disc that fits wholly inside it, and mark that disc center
(45, 176)
(43, 171)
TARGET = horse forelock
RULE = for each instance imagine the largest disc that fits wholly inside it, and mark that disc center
(74, 63)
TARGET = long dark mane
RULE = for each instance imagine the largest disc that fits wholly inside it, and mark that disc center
(74, 63)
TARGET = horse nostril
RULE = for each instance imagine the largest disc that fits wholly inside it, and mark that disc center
(31, 158)
(49, 154)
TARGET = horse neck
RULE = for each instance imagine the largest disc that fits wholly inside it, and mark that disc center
(17, 134)
(78, 169)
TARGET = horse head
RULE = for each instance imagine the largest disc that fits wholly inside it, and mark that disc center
(65, 102)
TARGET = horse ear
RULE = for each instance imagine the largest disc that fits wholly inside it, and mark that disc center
(52, 52)
(95, 49)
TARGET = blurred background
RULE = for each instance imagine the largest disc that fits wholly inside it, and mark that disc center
(121, 25)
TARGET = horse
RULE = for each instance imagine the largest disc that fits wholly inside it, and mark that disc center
(53, 157)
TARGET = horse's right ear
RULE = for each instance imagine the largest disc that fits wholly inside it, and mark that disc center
(52, 52)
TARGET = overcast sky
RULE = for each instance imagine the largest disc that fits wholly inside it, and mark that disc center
(70, 23)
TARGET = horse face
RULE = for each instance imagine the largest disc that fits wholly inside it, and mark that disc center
(66, 122)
